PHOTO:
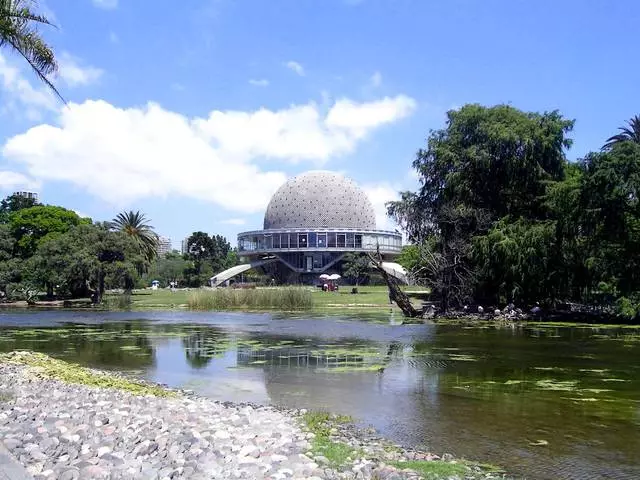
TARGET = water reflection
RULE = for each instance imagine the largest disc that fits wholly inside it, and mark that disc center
(481, 393)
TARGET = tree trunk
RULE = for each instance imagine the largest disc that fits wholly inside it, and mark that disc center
(395, 292)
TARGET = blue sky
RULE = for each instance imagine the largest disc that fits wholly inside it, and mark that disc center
(195, 112)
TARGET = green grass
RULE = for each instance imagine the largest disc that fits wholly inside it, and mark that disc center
(163, 298)
(281, 298)
(320, 424)
(436, 469)
(370, 299)
(48, 367)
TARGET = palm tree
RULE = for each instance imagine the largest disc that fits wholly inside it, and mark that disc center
(18, 31)
(628, 134)
(136, 225)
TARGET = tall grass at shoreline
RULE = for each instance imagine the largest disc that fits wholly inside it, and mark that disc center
(283, 298)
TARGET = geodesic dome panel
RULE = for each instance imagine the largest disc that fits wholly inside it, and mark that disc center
(320, 200)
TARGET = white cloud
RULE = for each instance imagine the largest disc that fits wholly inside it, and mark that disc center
(178, 87)
(234, 221)
(359, 117)
(20, 91)
(376, 80)
(295, 66)
(81, 214)
(113, 37)
(106, 4)
(380, 194)
(74, 74)
(262, 82)
(121, 155)
(12, 180)
(300, 132)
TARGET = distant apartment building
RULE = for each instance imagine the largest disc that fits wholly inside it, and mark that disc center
(164, 246)
(31, 195)
(184, 247)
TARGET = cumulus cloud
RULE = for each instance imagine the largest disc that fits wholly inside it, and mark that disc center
(73, 73)
(380, 194)
(300, 132)
(21, 92)
(296, 67)
(121, 155)
(358, 118)
(11, 180)
(106, 4)
(262, 82)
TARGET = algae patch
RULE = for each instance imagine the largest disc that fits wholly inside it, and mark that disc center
(48, 367)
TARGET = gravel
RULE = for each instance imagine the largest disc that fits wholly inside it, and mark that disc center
(61, 431)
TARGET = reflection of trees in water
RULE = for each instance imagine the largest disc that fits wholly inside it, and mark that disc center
(124, 345)
(202, 345)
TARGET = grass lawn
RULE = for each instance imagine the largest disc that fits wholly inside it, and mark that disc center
(367, 298)
(163, 298)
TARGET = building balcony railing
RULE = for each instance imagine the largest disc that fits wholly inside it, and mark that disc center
(364, 248)
(319, 240)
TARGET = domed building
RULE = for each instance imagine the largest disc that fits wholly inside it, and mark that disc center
(310, 224)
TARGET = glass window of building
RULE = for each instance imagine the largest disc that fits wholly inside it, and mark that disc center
(302, 240)
(341, 240)
(350, 240)
(312, 240)
(276, 240)
(358, 240)
(293, 242)
(331, 240)
(284, 240)
(322, 240)
(268, 241)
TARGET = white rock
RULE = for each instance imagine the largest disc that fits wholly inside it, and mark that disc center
(221, 434)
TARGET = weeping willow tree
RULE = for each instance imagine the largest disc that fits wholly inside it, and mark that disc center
(19, 22)
(488, 164)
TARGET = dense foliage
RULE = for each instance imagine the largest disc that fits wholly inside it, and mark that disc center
(51, 251)
(502, 216)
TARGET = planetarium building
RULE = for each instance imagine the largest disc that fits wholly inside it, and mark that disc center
(311, 222)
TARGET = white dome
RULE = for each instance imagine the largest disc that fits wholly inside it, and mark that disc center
(320, 200)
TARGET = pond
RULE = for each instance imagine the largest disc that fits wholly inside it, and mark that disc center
(543, 402)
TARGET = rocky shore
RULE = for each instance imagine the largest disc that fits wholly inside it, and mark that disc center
(69, 431)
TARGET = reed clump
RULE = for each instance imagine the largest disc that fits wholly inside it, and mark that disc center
(281, 298)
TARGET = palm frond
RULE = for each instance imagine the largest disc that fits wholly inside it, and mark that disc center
(630, 133)
(17, 30)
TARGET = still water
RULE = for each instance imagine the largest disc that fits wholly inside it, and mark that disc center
(542, 402)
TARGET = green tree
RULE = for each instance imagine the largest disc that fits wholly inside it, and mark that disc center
(170, 267)
(32, 226)
(610, 206)
(210, 255)
(630, 133)
(19, 23)
(488, 163)
(10, 267)
(136, 226)
(13, 203)
(356, 267)
(85, 261)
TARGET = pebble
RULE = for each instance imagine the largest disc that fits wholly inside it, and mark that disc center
(70, 432)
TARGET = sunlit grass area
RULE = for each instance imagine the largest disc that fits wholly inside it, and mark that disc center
(369, 298)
